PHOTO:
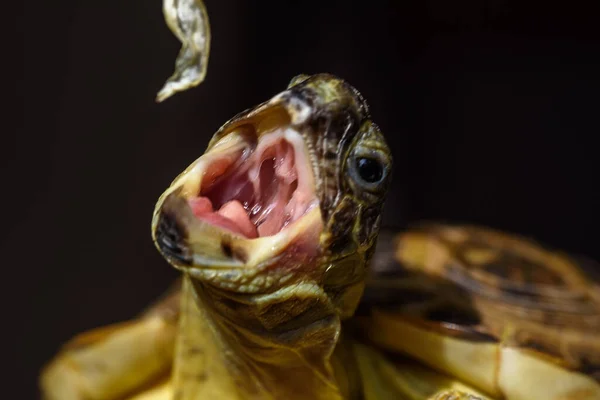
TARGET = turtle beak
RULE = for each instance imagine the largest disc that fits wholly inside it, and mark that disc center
(250, 198)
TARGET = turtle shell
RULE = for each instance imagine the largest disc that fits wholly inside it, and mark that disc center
(488, 307)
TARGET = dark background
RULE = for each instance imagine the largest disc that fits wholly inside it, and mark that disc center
(491, 108)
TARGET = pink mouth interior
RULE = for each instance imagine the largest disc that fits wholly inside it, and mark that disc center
(256, 193)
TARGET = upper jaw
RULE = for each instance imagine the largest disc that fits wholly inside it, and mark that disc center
(188, 241)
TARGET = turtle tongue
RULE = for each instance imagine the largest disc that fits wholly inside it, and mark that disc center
(235, 211)
(231, 216)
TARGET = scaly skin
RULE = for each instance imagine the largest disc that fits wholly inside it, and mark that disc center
(261, 318)
(270, 313)
(269, 318)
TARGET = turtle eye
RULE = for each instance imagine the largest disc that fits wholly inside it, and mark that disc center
(370, 170)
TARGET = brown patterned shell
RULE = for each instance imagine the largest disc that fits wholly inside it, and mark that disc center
(488, 287)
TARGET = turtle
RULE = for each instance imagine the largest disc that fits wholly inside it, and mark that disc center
(291, 288)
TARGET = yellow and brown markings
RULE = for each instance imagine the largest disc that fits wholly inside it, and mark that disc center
(272, 306)
(537, 307)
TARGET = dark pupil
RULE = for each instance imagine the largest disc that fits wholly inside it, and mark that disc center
(369, 169)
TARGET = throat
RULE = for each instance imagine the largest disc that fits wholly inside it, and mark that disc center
(232, 350)
(258, 191)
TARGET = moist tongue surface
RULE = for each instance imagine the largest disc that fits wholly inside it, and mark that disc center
(235, 211)
(231, 216)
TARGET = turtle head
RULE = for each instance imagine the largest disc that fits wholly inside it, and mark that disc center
(288, 193)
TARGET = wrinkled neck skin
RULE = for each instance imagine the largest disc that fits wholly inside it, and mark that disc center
(262, 308)
(284, 344)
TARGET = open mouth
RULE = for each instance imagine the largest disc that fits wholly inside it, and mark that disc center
(255, 188)
(247, 201)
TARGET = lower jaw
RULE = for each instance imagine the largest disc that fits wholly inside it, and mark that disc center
(263, 265)
(299, 240)
(189, 243)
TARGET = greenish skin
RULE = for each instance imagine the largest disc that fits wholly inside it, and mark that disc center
(260, 318)
(270, 317)
(282, 337)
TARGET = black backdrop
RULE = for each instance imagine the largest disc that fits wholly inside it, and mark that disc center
(491, 108)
